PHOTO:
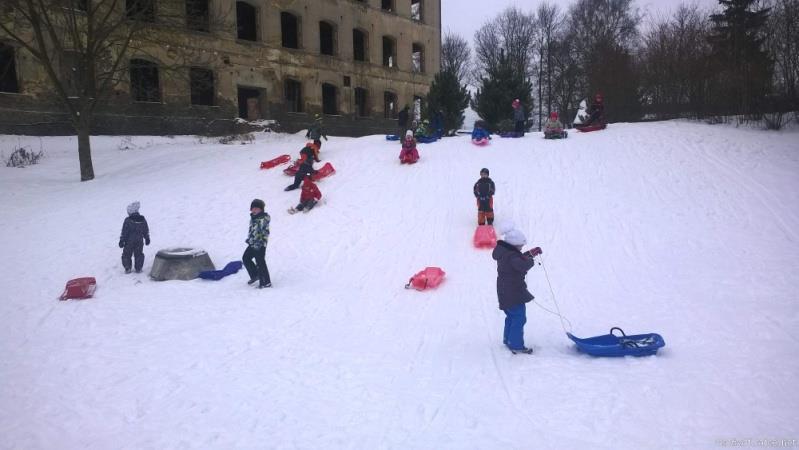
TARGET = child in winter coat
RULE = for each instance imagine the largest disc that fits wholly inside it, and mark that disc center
(309, 196)
(254, 257)
(307, 158)
(135, 234)
(408, 154)
(518, 117)
(316, 133)
(512, 293)
(484, 193)
(553, 127)
(479, 132)
(596, 111)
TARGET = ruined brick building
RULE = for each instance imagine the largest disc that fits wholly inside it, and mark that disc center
(357, 62)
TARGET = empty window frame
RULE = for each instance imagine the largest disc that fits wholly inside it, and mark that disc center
(327, 38)
(389, 52)
(197, 18)
(329, 100)
(389, 105)
(246, 22)
(251, 101)
(202, 86)
(416, 10)
(289, 30)
(361, 102)
(8, 69)
(140, 10)
(293, 95)
(144, 85)
(387, 5)
(359, 45)
(417, 57)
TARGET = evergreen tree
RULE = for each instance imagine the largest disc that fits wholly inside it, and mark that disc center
(498, 89)
(744, 68)
(450, 97)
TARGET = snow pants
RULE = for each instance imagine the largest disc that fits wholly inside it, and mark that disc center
(254, 260)
(515, 318)
(307, 204)
(485, 211)
(134, 249)
(519, 128)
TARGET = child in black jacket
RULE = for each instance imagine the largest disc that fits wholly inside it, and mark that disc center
(135, 234)
(484, 193)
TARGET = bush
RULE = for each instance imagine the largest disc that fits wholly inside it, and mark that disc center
(243, 139)
(774, 121)
(23, 157)
(506, 125)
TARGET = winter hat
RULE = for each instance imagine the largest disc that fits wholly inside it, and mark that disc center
(516, 103)
(483, 171)
(553, 115)
(515, 237)
(257, 203)
(408, 134)
(133, 208)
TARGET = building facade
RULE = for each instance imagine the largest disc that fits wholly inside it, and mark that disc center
(355, 62)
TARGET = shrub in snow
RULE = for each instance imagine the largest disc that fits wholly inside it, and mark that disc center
(243, 139)
(23, 157)
(774, 121)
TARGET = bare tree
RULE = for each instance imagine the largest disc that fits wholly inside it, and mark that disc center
(85, 47)
(549, 21)
(782, 42)
(509, 37)
(455, 56)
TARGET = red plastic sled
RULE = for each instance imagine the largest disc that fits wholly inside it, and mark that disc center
(590, 128)
(480, 142)
(79, 288)
(282, 159)
(293, 168)
(428, 278)
(324, 172)
(485, 237)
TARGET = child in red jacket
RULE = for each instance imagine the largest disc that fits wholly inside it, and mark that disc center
(409, 154)
(309, 196)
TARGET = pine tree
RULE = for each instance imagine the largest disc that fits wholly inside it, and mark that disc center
(498, 89)
(744, 68)
(448, 96)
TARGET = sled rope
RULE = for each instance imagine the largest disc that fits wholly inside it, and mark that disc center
(552, 291)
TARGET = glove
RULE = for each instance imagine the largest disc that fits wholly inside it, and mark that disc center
(147, 241)
(121, 243)
(535, 252)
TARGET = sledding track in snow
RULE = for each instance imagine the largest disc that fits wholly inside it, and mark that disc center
(684, 229)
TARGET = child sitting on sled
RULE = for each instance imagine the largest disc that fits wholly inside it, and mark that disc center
(553, 127)
(309, 196)
(484, 192)
(479, 133)
(408, 154)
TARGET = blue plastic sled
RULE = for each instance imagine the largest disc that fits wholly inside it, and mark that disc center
(392, 137)
(426, 139)
(231, 268)
(612, 345)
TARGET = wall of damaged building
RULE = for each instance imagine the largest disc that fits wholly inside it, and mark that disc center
(256, 77)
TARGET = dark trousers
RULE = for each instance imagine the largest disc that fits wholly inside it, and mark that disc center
(318, 143)
(133, 249)
(519, 127)
(307, 204)
(485, 211)
(257, 269)
(513, 335)
(300, 175)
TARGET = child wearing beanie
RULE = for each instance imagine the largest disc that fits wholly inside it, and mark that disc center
(135, 234)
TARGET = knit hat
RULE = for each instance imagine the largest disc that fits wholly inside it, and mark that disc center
(515, 237)
(408, 134)
(516, 103)
(553, 115)
(133, 208)
(483, 171)
(257, 203)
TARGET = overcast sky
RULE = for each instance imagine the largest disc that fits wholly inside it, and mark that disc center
(465, 17)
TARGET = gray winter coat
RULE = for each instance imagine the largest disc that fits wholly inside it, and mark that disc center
(518, 114)
(315, 132)
(512, 267)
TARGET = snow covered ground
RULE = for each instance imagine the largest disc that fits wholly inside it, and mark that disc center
(684, 229)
